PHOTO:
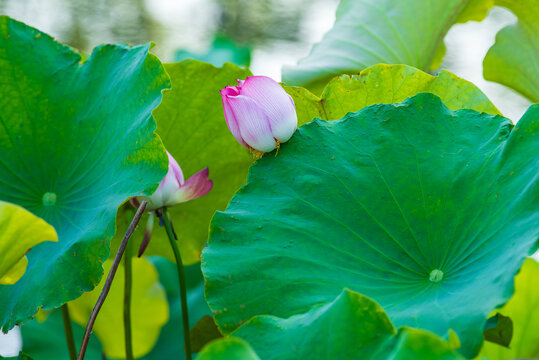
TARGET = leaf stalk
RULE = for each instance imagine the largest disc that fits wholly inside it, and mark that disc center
(110, 277)
(69, 332)
(163, 216)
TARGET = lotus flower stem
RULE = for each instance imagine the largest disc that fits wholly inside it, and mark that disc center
(110, 277)
(69, 332)
(127, 303)
(163, 215)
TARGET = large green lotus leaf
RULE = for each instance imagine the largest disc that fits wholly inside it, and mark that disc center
(77, 139)
(20, 230)
(170, 342)
(45, 339)
(227, 349)
(368, 32)
(149, 310)
(191, 122)
(419, 207)
(512, 60)
(386, 84)
(523, 308)
(350, 327)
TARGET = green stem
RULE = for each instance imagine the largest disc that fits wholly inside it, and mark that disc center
(69, 333)
(181, 276)
(127, 302)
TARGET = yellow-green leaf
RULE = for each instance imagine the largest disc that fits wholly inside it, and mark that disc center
(523, 309)
(149, 310)
(20, 230)
(386, 84)
(227, 349)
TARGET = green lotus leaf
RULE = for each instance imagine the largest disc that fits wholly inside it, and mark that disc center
(170, 342)
(421, 208)
(523, 308)
(350, 327)
(149, 310)
(20, 230)
(512, 60)
(191, 122)
(386, 84)
(227, 349)
(77, 139)
(44, 339)
(368, 32)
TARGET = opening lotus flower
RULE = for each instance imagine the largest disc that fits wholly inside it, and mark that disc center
(174, 190)
(259, 113)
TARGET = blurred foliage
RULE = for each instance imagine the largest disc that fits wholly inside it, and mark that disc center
(221, 51)
(256, 21)
(84, 23)
(81, 21)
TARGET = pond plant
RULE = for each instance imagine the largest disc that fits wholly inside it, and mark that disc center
(372, 206)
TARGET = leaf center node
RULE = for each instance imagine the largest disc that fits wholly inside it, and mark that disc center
(436, 275)
(49, 199)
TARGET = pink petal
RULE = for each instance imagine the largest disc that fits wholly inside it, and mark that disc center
(231, 90)
(175, 168)
(168, 186)
(229, 115)
(253, 123)
(196, 186)
(276, 103)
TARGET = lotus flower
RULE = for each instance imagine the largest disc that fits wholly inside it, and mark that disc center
(174, 190)
(259, 113)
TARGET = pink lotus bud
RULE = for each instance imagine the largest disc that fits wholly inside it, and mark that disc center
(173, 190)
(258, 112)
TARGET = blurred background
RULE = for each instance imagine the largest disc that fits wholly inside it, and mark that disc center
(264, 34)
(261, 34)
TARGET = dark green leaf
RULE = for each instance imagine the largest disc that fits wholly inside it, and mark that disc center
(499, 330)
(419, 207)
(77, 139)
(204, 331)
(350, 327)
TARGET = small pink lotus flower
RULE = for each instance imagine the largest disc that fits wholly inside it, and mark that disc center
(259, 113)
(174, 190)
